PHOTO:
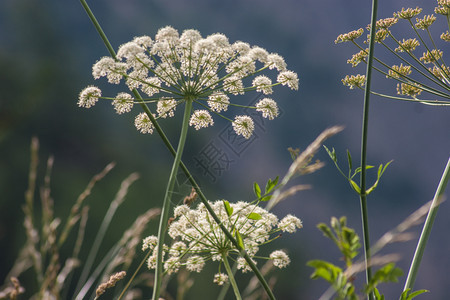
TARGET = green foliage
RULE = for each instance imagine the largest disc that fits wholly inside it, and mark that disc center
(388, 273)
(254, 216)
(239, 238)
(335, 276)
(408, 296)
(228, 208)
(377, 295)
(351, 174)
(341, 280)
(269, 188)
(344, 237)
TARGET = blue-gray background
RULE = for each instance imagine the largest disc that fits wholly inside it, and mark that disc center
(47, 49)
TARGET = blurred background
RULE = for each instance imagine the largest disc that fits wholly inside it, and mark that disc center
(47, 49)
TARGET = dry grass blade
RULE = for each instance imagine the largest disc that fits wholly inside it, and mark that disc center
(398, 233)
(253, 291)
(302, 163)
(379, 260)
(305, 157)
(83, 282)
(74, 212)
(131, 239)
(292, 191)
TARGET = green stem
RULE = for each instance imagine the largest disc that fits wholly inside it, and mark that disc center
(134, 275)
(231, 277)
(99, 28)
(167, 199)
(363, 195)
(182, 165)
(414, 268)
(226, 286)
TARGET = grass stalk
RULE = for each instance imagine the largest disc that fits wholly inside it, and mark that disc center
(420, 249)
(365, 125)
(94, 250)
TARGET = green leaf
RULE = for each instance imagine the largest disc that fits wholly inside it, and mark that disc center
(407, 296)
(349, 158)
(254, 216)
(228, 208)
(358, 170)
(324, 270)
(239, 239)
(388, 273)
(266, 198)
(257, 190)
(381, 170)
(332, 153)
(355, 186)
(335, 224)
(271, 184)
(377, 294)
(326, 230)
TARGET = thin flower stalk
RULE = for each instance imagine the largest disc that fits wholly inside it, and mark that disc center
(168, 197)
(365, 125)
(231, 277)
(426, 231)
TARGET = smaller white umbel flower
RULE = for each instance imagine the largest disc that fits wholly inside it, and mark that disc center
(172, 69)
(198, 239)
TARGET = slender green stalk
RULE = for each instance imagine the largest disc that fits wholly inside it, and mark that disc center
(182, 165)
(98, 27)
(167, 199)
(414, 268)
(134, 275)
(226, 286)
(365, 125)
(231, 277)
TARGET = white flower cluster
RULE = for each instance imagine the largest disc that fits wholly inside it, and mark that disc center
(197, 237)
(172, 68)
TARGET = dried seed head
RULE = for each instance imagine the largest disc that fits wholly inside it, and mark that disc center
(408, 13)
(350, 36)
(110, 283)
(425, 22)
(407, 45)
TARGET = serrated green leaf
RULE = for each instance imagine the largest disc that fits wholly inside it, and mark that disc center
(254, 216)
(228, 208)
(257, 190)
(326, 230)
(331, 154)
(324, 270)
(388, 273)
